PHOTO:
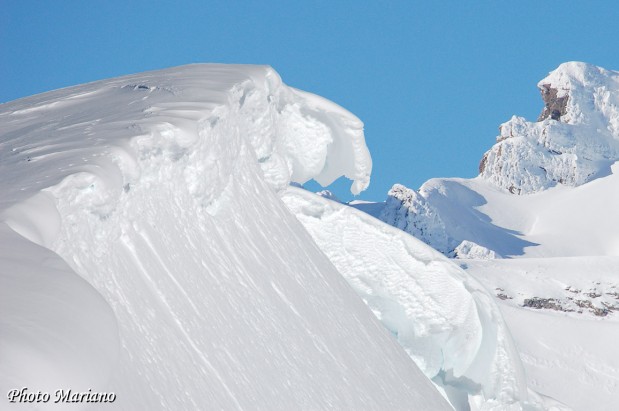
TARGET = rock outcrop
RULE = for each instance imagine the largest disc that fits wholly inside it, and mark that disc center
(409, 211)
(574, 141)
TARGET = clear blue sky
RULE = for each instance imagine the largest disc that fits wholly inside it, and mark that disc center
(431, 80)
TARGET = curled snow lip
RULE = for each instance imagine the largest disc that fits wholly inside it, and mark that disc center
(165, 210)
(309, 137)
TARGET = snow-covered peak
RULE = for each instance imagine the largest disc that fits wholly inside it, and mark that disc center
(573, 75)
(586, 92)
(575, 139)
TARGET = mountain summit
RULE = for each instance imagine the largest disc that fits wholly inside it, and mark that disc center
(575, 139)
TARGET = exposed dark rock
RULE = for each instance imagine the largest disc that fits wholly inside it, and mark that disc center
(482, 163)
(600, 312)
(547, 303)
(554, 107)
(501, 294)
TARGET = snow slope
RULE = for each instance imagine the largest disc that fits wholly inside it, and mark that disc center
(443, 317)
(145, 252)
(563, 316)
(558, 222)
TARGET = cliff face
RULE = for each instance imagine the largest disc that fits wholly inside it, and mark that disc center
(575, 139)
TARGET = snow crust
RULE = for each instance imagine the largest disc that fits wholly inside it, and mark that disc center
(143, 234)
(444, 318)
(576, 148)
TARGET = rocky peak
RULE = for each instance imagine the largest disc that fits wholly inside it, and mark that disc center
(575, 139)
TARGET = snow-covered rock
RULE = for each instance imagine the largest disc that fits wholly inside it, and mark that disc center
(575, 140)
(141, 231)
(445, 214)
(409, 210)
(329, 195)
(470, 250)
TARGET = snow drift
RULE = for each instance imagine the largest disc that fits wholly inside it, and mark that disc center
(443, 317)
(145, 251)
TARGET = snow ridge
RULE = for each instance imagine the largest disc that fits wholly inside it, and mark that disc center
(446, 321)
(159, 190)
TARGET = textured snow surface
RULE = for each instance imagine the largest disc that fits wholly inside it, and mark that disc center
(558, 222)
(569, 351)
(148, 253)
(446, 212)
(576, 148)
(444, 318)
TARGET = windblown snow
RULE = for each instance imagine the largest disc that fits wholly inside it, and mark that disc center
(153, 244)
(145, 251)
(444, 318)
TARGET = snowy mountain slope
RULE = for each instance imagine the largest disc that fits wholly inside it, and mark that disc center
(444, 318)
(159, 191)
(557, 285)
(567, 334)
(558, 222)
(579, 143)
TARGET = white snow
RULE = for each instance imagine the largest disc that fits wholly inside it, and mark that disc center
(569, 351)
(469, 249)
(444, 318)
(532, 156)
(549, 255)
(145, 252)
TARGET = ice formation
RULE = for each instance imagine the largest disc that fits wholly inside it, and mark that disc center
(143, 235)
(444, 318)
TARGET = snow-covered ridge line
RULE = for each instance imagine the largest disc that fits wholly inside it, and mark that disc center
(168, 112)
(327, 141)
(159, 189)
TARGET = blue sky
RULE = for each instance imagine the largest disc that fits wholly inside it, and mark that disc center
(431, 80)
